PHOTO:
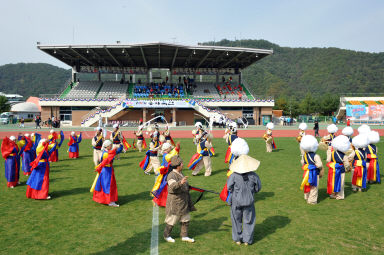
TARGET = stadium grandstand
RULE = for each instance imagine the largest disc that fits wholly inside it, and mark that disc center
(361, 110)
(176, 81)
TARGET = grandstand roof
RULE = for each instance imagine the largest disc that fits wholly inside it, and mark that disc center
(155, 55)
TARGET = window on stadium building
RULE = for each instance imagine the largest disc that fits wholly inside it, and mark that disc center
(66, 113)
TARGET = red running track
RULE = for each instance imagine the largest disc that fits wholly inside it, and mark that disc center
(188, 133)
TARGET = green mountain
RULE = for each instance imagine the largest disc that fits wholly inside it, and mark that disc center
(32, 79)
(299, 71)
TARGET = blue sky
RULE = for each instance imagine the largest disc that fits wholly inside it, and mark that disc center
(348, 24)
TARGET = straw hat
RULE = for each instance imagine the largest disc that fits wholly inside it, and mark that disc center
(244, 164)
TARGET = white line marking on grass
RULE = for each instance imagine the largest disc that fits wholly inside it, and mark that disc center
(155, 230)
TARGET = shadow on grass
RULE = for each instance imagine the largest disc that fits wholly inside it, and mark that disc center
(263, 195)
(201, 227)
(269, 226)
(132, 197)
(322, 195)
(63, 193)
(277, 150)
(218, 171)
(140, 242)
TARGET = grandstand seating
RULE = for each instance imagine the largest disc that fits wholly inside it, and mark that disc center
(220, 91)
(84, 89)
(158, 90)
(112, 89)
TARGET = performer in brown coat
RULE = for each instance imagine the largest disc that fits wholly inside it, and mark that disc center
(179, 202)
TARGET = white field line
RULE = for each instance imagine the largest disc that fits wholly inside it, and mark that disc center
(155, 230)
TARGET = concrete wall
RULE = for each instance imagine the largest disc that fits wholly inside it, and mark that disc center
(48, 111)
(233, 113)
(130, 115)
(77, 117)
(187, 116)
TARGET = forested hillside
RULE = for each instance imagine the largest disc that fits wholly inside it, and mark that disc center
(32, 79)
(298, 71)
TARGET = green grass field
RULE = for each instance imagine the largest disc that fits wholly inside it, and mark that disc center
(71, 223)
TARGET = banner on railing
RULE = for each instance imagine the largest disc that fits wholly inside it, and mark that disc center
(365, 112)
(156, 104)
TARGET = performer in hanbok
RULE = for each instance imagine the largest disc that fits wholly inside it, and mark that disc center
(332, 129)
(179, 203)
(28, 155)
(151, 161)
(104, 188)
(35, 138)
(116, 138)
(202, 158)
(338, 164)
(230, 136)
(373, 170)
(73, 144)
(97, 144)
(11, 151)
(302, 127)
(52, 139)
(160, 189)
(38, 182)
(359, 162)
(197, 132)
(168, 137)
(155, 131)
(313, 168)
(242, 184)
(348, 132)
(269, 140)
(141, 144)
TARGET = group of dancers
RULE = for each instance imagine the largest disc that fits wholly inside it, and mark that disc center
(358, 155)
(33, 153)
(344, 153)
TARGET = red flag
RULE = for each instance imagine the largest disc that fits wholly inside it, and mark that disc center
(126, 144)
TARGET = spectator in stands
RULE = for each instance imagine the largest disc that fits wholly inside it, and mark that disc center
(49, 123)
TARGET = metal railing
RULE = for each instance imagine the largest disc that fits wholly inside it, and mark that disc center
(247, 87)
(49, 95)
